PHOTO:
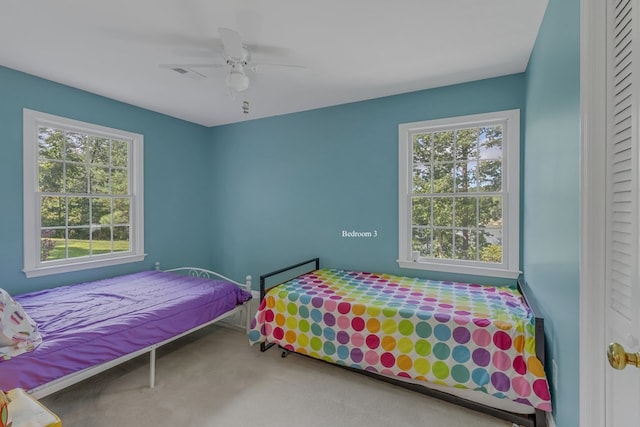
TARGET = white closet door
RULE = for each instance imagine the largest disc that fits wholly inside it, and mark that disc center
(621, 263)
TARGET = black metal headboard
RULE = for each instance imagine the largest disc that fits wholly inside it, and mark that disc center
(264, 277)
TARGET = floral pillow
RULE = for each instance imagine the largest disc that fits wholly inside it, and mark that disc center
(18, 332)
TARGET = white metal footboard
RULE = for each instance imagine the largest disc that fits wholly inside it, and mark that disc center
(201, 272)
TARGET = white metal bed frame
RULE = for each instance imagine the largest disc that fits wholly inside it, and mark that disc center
(76, 377)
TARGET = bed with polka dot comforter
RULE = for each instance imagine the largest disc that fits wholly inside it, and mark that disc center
(454, 334)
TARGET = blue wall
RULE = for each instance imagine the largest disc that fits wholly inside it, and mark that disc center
(288, 186)
(175, 163)
(551, 194)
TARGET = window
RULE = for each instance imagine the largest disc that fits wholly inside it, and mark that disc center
(459, 182)
(83, 195)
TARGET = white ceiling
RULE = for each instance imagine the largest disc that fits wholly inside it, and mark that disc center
(352, 49)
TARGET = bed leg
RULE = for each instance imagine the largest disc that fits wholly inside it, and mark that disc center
(247, 319)
(264, 346)
(541, 419)
(152, 368)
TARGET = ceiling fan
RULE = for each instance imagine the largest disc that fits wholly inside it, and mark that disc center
(237, 58)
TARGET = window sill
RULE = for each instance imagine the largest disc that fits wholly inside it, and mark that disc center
(78, 266)
(461, 269)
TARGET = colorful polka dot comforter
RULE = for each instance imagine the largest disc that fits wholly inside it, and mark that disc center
(455, 334)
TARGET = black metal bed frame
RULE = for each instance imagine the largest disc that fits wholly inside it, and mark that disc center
(263, 345)
(538, 419)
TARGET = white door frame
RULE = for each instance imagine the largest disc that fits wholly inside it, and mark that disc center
(592, 212)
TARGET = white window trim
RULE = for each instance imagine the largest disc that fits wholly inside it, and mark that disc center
(33, 267)
(510, 267)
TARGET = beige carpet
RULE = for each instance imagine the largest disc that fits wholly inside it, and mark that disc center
(213, 378)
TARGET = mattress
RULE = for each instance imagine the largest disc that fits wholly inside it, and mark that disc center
(87, 324)
(462, 335)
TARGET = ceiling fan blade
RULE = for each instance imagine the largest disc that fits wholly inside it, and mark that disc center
(266, 67)
(174, 66)
(249, 19)
(231, 43)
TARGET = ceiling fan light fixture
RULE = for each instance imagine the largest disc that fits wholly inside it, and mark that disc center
(238, 81)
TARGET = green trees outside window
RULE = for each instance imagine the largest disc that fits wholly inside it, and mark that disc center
(456, 202)
(85, 202)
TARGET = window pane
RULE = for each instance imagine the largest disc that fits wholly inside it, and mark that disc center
(466, 144)
(443, 243)
(121, 239)
(119, 153)
(79, 242)
(490, 175)
(443, 211)
(490, 211)
(101, 234)
(119, 181)
(443, 146)
(49, 239)
(98, 150)
(99, 180)
(466, 244)
(421, 241)
(465, 211)
(52, 211)
(50, 177)
(421, 211)
(101, 241)
(100, 211)
(422, 179)
(50, 143)
(491, 143)
(443, 178)
(75, 147)
(467, 177)
(121, 211)
(422, 148)
(76, 178)
(59, 251)
(490, 243)
(78, 211)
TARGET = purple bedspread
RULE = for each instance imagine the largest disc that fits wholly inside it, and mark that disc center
(87, 324)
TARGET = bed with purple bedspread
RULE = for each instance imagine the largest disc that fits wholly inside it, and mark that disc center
(88, 324)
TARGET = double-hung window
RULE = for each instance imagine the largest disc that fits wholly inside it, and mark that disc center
(459, 183)
(83, 195)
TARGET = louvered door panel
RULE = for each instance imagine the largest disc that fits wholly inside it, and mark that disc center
(622, 183)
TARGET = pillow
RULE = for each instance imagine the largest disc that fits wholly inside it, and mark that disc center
(18, 332)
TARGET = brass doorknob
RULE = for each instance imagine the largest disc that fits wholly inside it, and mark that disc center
(619, 358)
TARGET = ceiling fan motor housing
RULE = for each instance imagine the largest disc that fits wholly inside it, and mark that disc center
(237, 80)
